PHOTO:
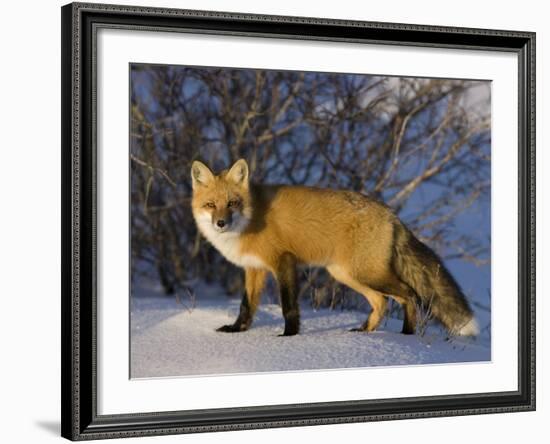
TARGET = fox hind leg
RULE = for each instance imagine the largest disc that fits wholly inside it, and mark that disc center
(254, 284)
(409, 315)
(376, 299)
(405, 296)
(379, 304)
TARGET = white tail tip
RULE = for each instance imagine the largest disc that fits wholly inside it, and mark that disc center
(469, 329)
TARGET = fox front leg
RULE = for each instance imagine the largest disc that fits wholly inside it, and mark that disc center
(288, 287)
(254, 284)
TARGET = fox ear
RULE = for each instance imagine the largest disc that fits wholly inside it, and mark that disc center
(201, 174)
(239, 172)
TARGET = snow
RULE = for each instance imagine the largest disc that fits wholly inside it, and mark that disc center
(171, 337)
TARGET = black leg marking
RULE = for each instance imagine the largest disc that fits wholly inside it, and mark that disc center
(254, 283)
(288, 285)
(242, 322)
(409, 322)
(409, 318)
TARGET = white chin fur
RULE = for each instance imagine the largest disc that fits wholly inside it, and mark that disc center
(227, 242)
(469, 329)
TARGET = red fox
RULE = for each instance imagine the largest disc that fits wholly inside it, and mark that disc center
(360, 241)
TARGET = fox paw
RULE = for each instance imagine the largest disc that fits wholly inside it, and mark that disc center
(289, 332)
(230, 328)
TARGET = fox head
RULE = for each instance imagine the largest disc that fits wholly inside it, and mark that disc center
(221, 202)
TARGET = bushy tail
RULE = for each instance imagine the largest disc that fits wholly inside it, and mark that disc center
(420, 268)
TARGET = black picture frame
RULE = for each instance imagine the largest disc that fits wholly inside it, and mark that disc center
(78, 333)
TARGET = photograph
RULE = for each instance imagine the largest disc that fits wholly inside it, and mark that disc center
(288, 220)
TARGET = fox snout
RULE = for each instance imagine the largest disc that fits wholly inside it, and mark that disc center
(222, 221)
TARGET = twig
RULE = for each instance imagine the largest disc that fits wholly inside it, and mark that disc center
(154, 169)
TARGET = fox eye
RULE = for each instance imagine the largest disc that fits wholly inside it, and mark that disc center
(210, 205)
(232, 203)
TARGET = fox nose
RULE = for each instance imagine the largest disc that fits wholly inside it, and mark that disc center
(220, 223)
